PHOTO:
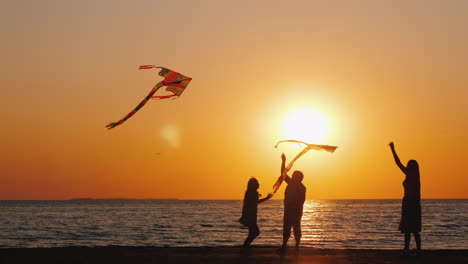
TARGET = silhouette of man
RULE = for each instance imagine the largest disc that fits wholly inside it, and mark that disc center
(294, 197)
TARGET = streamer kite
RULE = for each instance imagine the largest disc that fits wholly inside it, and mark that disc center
(175, 83)
(307, 147)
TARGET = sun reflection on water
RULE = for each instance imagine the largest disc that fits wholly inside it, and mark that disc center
(312, 229)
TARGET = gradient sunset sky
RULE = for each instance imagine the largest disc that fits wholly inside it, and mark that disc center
(364, 73)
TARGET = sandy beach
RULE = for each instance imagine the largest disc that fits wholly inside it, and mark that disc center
(223, 255)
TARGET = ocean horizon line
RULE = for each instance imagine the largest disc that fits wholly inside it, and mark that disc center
(179, 199)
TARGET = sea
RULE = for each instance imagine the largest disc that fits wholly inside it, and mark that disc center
(328, 224)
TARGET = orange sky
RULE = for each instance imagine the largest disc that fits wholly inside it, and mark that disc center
(376, 71)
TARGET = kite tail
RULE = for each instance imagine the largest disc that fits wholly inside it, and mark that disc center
(277, 184)
(158, 97)
(145, 67)
(112, 125)
(139, 106)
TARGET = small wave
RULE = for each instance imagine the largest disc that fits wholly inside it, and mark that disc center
(161, 226)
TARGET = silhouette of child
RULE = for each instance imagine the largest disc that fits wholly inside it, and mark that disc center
(410, 222)
(249, 210)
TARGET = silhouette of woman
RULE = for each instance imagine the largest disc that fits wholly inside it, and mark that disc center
(249, 210)
(410, 222)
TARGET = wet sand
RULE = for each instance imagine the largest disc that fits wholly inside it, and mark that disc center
(223, 255)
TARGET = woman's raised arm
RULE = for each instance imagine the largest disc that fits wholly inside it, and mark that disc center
(397, 159)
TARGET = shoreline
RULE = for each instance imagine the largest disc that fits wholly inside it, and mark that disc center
(225, 255)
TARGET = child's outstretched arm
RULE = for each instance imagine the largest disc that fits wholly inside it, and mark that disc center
(266, 198)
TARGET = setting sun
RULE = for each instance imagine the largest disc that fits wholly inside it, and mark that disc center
(305, 124)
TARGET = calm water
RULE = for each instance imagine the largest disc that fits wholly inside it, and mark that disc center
(363, 224)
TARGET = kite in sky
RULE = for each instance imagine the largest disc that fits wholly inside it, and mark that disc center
(308, 147)
(175, 83)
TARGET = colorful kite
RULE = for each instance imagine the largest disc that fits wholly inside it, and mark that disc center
(308, 147)
(175, 83)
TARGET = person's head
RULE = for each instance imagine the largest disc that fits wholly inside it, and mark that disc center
(253, 184)
(297, 176)
(412, 168)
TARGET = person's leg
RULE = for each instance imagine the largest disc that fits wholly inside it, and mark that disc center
(417, 238)
(297, 232)
(286, 233)
(253, 233)
(407, 242)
